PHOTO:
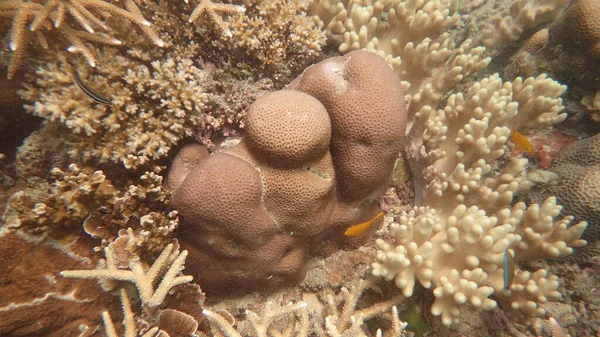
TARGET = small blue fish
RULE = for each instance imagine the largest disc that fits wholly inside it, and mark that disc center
(509, 269)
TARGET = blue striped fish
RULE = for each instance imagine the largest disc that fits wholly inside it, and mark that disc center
(509, 269)
(93, 94)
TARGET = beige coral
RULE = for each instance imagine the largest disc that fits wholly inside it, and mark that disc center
(33, 18)
(521, 15)
(145, 278)
(456, 238)
(65, 203)
(132, 132)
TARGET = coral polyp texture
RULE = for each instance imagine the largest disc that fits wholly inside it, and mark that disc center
(577, 169)
(313, 161)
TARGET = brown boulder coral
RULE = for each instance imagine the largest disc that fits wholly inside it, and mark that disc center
(575, 38)
(578, 190)
(568, 48)
(310, 165)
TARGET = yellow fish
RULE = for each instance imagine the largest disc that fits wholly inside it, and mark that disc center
(359, 229)
(521, 141)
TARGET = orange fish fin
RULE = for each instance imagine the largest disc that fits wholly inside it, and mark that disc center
(521, 141)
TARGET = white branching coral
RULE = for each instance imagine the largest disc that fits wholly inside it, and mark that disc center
(264, 325)
(344, 318)
(410, 35)
(465, 224)
(166, 268)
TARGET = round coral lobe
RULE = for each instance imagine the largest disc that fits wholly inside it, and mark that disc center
(288, 128)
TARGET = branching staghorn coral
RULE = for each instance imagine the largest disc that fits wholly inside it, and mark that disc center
(31, 19)
(144, 278)
(348, 321)
(325, 314)
(155, 319)
(296, 314)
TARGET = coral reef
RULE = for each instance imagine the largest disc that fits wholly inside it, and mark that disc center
(465, 197)
(566, 47)
(312, 160)
(462, 230)
(31, 19)
(508, 25)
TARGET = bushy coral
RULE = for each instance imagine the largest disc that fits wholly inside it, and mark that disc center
(275, 38)
(66, 202)
(153, 106)
(85, 199)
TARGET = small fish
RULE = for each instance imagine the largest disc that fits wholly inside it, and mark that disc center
(359, 229)
(521, 141)
(96, 96)
(509, 269)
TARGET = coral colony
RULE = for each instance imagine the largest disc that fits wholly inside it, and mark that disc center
(225, 169)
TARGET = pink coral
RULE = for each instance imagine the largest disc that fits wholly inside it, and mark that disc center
(310, 165)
